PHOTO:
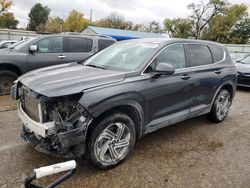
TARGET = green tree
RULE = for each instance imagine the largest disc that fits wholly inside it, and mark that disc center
(224, 28)
(7, 20)
(241, 32)
(54, 25)
(179, 28)
(38, 17)
(202, 14)
(75, 22)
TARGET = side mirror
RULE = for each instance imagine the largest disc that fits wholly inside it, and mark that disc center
(33, 48)
(164, 69)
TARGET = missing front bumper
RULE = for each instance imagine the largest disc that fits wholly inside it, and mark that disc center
(41, 129)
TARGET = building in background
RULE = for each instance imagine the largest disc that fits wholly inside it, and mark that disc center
(119, 34)
(13, 34)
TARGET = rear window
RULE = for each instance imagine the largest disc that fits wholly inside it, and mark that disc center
(217, 52)
(78, 44)
(104, 44)
(199, 55)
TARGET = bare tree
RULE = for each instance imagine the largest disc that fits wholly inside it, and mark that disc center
(203, 13)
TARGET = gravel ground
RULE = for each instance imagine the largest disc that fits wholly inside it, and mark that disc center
(194, 153)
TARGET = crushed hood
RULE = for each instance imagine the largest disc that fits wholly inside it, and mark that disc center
(68, 79)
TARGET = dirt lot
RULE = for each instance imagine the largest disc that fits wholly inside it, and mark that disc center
(195, 153)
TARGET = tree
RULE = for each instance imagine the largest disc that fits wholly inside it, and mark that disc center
(117, 21)
(228, 26)
(204, 13)
(75, 22)
(179, 28)
(54, 25)
(7, 20)
(153, 27)
(114, 20)
(38, 17)
(241, 32)
(5, 5)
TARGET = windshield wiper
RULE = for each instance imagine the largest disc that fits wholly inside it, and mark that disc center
(95, 66)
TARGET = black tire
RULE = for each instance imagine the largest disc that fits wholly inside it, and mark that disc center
(96, 138)
(216, 114)
(6, 81)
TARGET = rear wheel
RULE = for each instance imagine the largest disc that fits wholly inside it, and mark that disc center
(221, 106)
(111, 141)
(6, 81)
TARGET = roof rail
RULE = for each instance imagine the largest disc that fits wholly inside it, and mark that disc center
(96, 35)
(70, 33)
(88, 34)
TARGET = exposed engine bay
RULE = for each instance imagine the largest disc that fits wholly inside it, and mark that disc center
(65, 118)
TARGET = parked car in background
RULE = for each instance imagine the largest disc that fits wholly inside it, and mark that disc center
(243, 69)
(6, 43)
(100, 107)
(45, 51)
(238, 56)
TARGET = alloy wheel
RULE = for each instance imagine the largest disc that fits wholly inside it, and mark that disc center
(223, 105)
(112, 144)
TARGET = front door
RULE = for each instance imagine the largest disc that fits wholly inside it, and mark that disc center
(50, 52)
(169, 96)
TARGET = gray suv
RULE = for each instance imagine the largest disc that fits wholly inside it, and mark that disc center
(101, 107)
(46, 51)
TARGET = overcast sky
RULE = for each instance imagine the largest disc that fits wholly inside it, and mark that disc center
(138, 11)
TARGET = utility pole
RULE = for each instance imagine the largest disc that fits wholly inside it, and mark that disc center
(90, 17)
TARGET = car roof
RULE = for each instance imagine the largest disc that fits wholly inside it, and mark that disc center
(165, 41)
(77, 35)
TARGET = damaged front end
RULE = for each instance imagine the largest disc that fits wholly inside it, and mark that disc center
(57, 125)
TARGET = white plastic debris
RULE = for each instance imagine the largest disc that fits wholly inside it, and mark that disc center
(54, 169)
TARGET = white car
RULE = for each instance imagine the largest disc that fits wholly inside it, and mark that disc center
(6, 43)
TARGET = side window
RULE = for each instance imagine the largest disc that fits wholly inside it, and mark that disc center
(217, 53)
(173, 55)
(50, 45)
(104, 44)
(78, 44)
(199, 55)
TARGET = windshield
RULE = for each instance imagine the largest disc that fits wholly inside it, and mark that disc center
(124, 56)
(16, 44)
(237, 56)
(22, 44)
(246, 60)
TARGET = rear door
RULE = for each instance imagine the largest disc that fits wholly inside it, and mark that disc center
(50, 52)
(77, 48)
(206, 75)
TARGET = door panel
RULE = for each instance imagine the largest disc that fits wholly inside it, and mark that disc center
(205, 74)
(50, 52)
(169, 94)
(78, 48)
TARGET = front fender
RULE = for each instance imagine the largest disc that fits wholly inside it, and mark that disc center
(97, 104)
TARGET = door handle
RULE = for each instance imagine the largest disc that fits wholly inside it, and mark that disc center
(61, 56)
(217, 72)
(185, 76)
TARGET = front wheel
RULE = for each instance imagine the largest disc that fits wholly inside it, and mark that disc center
(6, 81)
(221, 106)
(111, 141)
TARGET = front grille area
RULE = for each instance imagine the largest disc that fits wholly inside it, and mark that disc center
(30, 106)
(29, 103)
(243, 80)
